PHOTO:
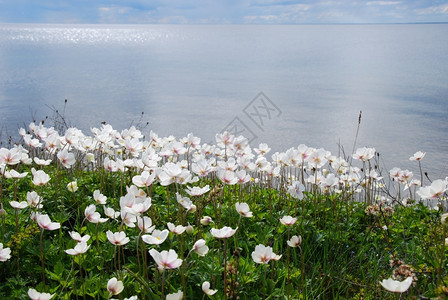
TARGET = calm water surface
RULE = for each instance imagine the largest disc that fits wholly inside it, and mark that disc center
(200, 78)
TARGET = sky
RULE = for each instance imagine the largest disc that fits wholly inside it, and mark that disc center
(221, 11)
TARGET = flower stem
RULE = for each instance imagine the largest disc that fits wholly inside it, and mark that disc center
(41, 248)
(225, 269)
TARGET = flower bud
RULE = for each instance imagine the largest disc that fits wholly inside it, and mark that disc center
(206, 220)
(444, 219)
(90, 157)
(189, 229)
(72, 186)
(193, 209)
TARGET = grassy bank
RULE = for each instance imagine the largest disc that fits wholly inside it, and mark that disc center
(119, 215)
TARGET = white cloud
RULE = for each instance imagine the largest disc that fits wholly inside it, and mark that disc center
(383, 3)
(441, 9)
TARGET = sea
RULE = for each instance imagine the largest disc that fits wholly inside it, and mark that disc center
(337, 87)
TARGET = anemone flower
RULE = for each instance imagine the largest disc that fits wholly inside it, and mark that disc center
(80, 248)
(200, 247)
(115, 286)
(99, 198)
(66, 158)
(35, 295)
(92, 215)
(14, 174)
(223, 233)
(243, 209)
(117, 238)
(145, 224)
(175, 296)
(288, 220)
(18, 205)
(364, 154)
(44, 222)
(40, 178)
(184, 201)
(263, 254)
(197, 191)
(143, 180)
(42, 162)
(179, 229)
(156, 238)
(435, 190)
(33, 199)
(207, 290)
(166, 259)
(111, 213)
(228, 177)
(418, 156)
(396, 286)
(77, 237)
(296, 190)
(5, 253)
(295, 241)
(10, 157)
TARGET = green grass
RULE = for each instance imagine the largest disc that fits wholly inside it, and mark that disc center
(345, 250)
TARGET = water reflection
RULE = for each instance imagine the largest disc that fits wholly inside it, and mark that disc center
(198, 78)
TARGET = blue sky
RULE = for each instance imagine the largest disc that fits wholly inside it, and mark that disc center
(222, 12)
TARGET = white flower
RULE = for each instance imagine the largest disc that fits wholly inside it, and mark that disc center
(33, 199)
(77, 237)
(92, 215)
(35, 295)
(179, 229)
(444, 219)
(115, 286)
(206, 288)
(42, 162)
(263, 254)
(111, 213)
(14, 174)
(66, 158)
(5, 253)
(18, 205)
(40, 178)
(99, 198)
(296, 190)
(435, 190)
(243, 209)
(184, 201)
(295, 241)
(418, 156)
(72, 186)
(166, 259)
(223, 233)
(396, 286)
(156, 238)
(117, 238)
(288, 220)
(176, 296)
(145, 224)
(144, 180)
(364, 154)
(80, 248)
(200, 247)
(197, 191)
(44, 222)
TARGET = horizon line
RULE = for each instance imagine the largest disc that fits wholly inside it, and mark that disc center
(230, 24)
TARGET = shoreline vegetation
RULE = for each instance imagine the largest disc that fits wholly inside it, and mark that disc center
(115, 214)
